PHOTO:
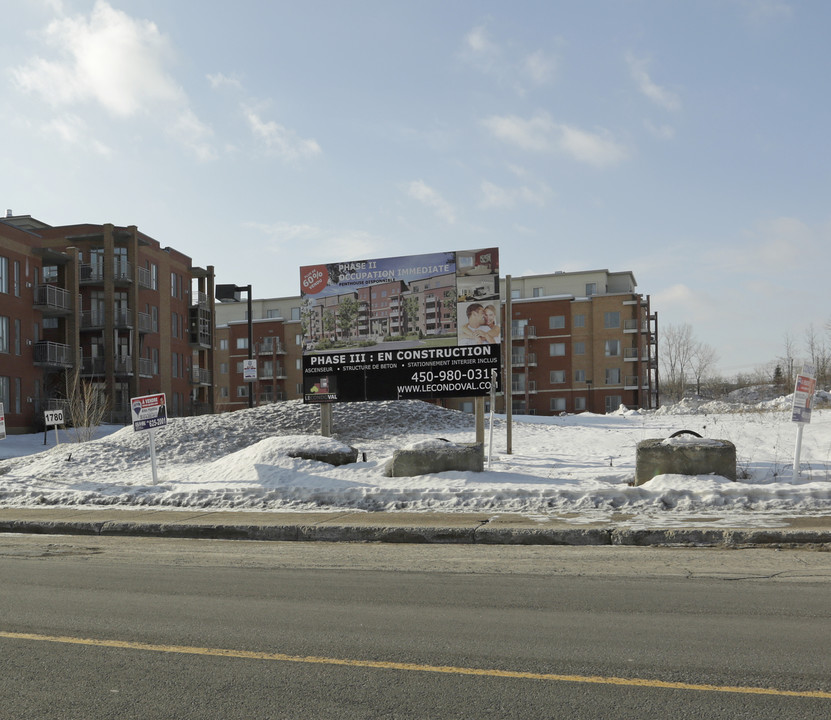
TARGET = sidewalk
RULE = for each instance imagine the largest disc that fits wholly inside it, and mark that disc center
(470, 528)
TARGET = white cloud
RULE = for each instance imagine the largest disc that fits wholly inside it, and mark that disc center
(542, 134)
(657, 94)
(281, 141)
(297, 237)
(495, 196)
(419, 190)
(218, 80)
(72, 130)
(119, 63)
(540, 67)
(767, 10)
(664, 132)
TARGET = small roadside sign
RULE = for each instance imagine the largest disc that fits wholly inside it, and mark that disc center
(2, 423)
(803, 402)
(53, 418)
(148, 412)
(249, 370)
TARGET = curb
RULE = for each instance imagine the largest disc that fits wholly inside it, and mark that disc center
(698, 537)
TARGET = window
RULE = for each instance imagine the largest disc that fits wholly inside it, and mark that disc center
(611, 320)
(515, 295)
(591, 289)
(240, 367)
(155, 355)
(273, 314)
(4, 391)
(556, 349)
(612, 348)
(174, 324)
(580, 376)
(17, 393)
(579, 403)
(223, 392)
(538, 292)
(173, 284)
(242, 343)
(174, 364)
(580, 320)
(223, 344)
(17, 340)
(556, 322)
(4, 334)
(298, 364)
(613, 402)
(298, 339)
(154, 318)
(154, 276)
(558, 404)
(557, 377)
(242, 391)
(4, 275)
(613, 376)
(17, 278)
(295, 313)
(580, 348)
(223, 368)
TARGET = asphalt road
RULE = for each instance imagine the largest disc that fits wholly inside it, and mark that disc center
(148, 628)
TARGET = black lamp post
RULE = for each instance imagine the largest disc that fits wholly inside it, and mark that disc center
(231, 293)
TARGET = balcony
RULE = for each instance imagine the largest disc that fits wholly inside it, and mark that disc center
(145, 280)
(270, 397)
(121, 274)
(632, 325)
(145, 323)
(630, 382)
(270, 346)
(145, 368)
(271, 373)
(96, 319)
(52, 300)
(96, 366)
(201, 376)
(630, 354)
(526, 331)
(54, 355)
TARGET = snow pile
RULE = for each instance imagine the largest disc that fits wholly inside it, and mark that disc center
(577, 466)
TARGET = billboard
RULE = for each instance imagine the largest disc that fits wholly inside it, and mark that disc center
(412, 327)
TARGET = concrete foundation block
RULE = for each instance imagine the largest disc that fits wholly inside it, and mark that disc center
(435, 456)
(684, 456)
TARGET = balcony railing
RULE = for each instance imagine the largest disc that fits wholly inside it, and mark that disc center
(145, 323)
(630, 354)
(121, 273)
(122, 318)
(53, 354)
(201, 376)
(267, 347)
(271, 397)
(632, 325)
(122, 365)
(145, 279)
(146, 367)
(529, 331)
(50, 298)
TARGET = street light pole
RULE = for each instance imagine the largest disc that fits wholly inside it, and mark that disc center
(250, 345)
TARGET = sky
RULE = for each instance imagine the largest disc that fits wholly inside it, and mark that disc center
(686, 142)
(574, 468)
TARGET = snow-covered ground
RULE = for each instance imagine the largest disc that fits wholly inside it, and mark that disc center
(575, 467)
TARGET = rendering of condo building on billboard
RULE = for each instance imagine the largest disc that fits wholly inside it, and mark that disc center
(414, 327)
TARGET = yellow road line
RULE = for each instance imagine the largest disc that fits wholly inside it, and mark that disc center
(382, 665)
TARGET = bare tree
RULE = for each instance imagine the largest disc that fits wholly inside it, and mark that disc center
(702, 362)
(85, 403)
(788, 359)
(677, 350)
(819, 353)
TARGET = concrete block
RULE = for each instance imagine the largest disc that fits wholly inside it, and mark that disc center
(684, 455)
(435, 456)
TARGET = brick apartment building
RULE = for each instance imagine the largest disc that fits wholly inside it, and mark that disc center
(581, 341)
(132, 317)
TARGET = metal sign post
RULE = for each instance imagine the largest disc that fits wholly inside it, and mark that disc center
(803, 399)
(2, 423)
(149, 412)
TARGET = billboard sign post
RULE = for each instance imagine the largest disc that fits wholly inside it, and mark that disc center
(413, 327)
(149, 412)
(803, 402)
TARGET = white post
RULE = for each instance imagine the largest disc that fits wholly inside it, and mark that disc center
(797, 451)
(490, 431)
(153, 455)
(57, 442)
